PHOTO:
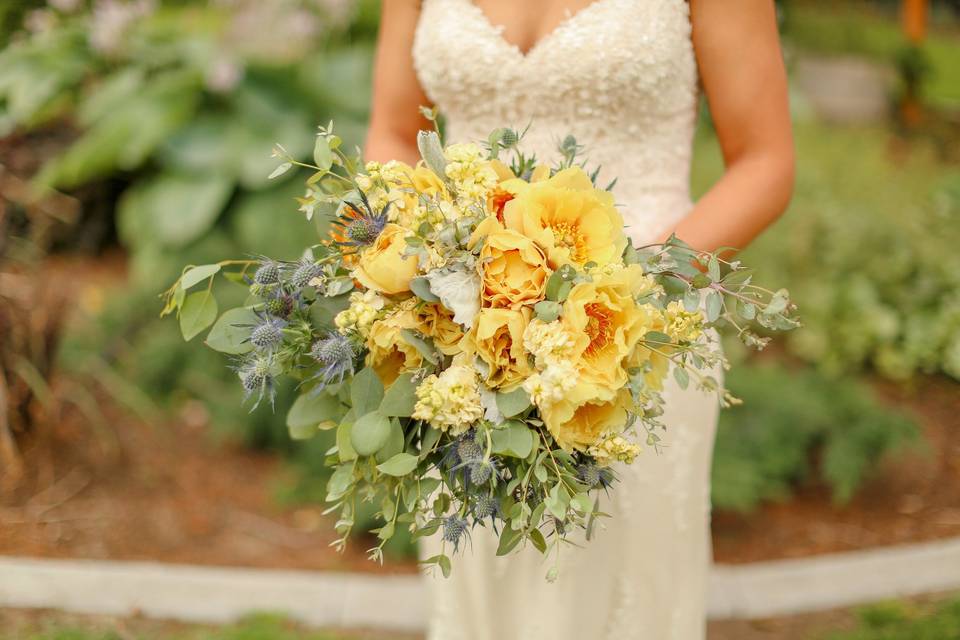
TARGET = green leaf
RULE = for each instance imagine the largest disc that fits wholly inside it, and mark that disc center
(509, 539)
(311, 412)
(691, 300)
(657, 338)
(547, 310)
(420, 344)
(199, 311)
(513, 403)
(345, 449)
(431, 150)
(430, 438)
(366, 392)
(340, 482)
(370, 433)
(681, 376)
(536, 537)
(514, 439)
(400, 397)
(228, 336)
(560, 283)
(322, 155)
(394, 443)
(582, 503)
(280, 170)
(714, 306)
(399, 465)
(421, 287)
(195, 275)
(557, 501)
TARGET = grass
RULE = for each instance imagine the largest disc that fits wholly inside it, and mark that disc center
(255, 627)
(906, 621)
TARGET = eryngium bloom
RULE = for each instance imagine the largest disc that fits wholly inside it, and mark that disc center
(358, 225)
(336, 355)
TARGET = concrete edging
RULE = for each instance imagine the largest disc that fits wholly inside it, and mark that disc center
(353, 600)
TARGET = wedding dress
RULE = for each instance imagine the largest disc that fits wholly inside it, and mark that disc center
(619, 75)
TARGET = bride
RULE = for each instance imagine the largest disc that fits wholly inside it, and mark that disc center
(624, 77)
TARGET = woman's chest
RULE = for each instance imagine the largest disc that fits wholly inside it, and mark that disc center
(613, 56)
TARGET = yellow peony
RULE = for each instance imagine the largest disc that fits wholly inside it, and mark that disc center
(513, 269)
(607, 324)
(436, 321)
(572, 221)
(497, 339)
(581, 419)
(383, 267)
(389, 354)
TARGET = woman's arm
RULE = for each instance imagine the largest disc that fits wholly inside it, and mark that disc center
(395, 117)
(741, 67)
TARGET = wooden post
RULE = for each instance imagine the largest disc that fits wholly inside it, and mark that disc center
(914, 16)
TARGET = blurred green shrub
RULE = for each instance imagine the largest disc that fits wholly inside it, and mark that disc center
(867, 250)
(789, 421)
(903, 621)
(183, 102)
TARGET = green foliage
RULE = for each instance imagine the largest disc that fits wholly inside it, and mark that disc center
(788, 419)
(902, 621)
(260, 626)
(868, 251)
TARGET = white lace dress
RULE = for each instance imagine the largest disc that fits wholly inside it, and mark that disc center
(621, 76)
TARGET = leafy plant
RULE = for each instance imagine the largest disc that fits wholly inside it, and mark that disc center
(771, 443)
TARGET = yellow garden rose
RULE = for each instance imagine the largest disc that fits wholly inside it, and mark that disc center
(389, 354)
(572, 221)
(436, 321)
(497, 339)
(581, 418)
(513, 269)
(383, 267)
(607, 324)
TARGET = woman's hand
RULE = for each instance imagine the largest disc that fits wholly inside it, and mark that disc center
(741, 67)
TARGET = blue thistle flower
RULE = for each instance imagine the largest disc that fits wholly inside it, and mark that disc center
(480, 472)
(256, 380)
(267, 273)
(468, 449)
(267, 335)
(359, 226)
(589, 474)
(454, 528)
(485, 506)
(336, 355)
(305, 271)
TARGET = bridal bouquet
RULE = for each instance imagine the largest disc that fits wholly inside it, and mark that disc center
(481, 334)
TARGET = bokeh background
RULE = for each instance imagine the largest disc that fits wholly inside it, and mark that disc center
(135, 137)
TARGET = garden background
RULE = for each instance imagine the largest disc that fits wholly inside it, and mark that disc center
(135, 138)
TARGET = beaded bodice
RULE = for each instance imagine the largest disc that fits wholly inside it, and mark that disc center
(619, 75)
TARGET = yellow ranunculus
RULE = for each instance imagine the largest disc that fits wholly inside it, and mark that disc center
(513, 269)
(436, 321)
(389, 354)
(582, 418)
(607, 324)
(383, 267)
(497, 339)
(572, 221)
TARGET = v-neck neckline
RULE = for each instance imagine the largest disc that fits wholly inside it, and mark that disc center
(497, 30)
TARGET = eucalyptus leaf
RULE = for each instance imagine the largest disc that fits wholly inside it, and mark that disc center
(370, 433)
(311, 412)
(345, 448)
(514, 439)
(421, 287)
(322, 155)
(547, 310)
(229, 335)
(513, 403)
(431, 150)
(714, 306)
(422, 345)
(366, 391)
(199, 311)
(399, 465)
(400, 398)
(194, 275)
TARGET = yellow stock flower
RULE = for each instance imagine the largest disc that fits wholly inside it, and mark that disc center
(497, 339)
(513, 269)
(572, 221)
(383, 267)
